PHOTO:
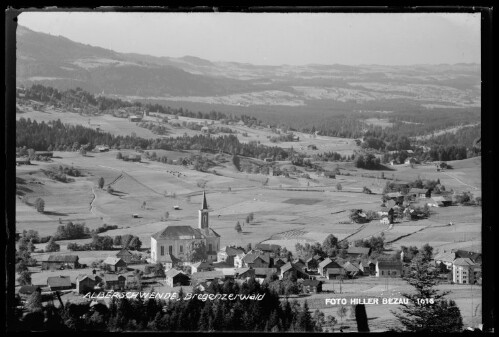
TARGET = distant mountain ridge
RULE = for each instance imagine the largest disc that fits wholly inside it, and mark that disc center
(61, 63)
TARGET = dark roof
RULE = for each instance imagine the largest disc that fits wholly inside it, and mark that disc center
(350, 267)
(59, 281)
(232, 251)
(62, 258)
(28, 289)
(335, 271)
(264, 271)
(389, 264)
(113, 277)
(202, 264)
(93, 277)
(473, 256)
(124, 252)
(251, 257)
(294, 266)
(463, 262)
(327, 262)
(174, 272)
(313, 283)
(205, 204)
(208, 232)
(178, 232)
(113, 261)
(358, 250)
(242, 271)
(207, 275)
(267, 247)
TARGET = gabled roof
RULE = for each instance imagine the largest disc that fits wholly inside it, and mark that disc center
(231, 251)
(358, 250)
(124, 252)
(207, 275)
(28, 289)
(445, 257)
(113, 260)
(93, 277)
(201, 264)
(59, 281)
(252, 256)
(389, 264)
(349, 267)
(267, 247)
(242, 271)
(264, 271)
(113, 277)
(463, 262)
(325, 262)
(62, 258)
(178, 232)
(473, 256)
(174, 272)
(208, 232)
(335, 271)
(289, 266)
(282, 260)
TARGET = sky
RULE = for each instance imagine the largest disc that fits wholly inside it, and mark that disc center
(275, 38)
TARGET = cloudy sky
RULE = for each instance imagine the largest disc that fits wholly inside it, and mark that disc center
(275, 38)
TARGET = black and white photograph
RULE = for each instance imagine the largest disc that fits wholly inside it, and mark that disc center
(274, 170)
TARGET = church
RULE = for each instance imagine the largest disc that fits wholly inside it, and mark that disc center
(173, 242)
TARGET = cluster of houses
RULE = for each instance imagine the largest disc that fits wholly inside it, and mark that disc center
(465, 266)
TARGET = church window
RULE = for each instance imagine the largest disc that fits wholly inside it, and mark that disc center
(209, 247)
(162, 250)
(170, 249)
(181, 248)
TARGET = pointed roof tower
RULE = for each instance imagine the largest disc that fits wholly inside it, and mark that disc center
(205, 204)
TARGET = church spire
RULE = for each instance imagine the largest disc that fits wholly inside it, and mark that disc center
(205, 204)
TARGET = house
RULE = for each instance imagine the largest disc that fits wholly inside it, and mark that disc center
(446, 258)
(114, 281)
(205, 130)
(463, 271)
(279, 262)
(61, 262)
(176, 240)
(170, 261)
(395, 196)
(244, 273)
(262, 273)
(176, 278)
(312, 263)
(473, 256)
(26, 291)
(420, 192)
(311, 286)
(102, 148)
(86, 283)
(22, 161)
(327, 264)
(134, 118)
(441, 201)
(267, 248)
(329, 174)
(358, 251)
(292, 269)
(393, 162)
(335, 273)
(125, 255)
(206, 276)
(388, 268)
(114, 263)
(238, 260)
(351, 270)
(59, 283)
(256, 260)
(227, 254)
(410, 160)
(384, 221)
(300, 263)
(200, 266)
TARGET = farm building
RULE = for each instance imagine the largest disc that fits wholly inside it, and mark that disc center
(463, 271)
(205, 130)
(177, 239)
(206, 276)
(102, 148)
(335, 273)
(25, 291)
(114, 282)
(59, 283)
(387, 268)
(312, 263)
(200, 266)
(292, 269)
(410, 160)
(420, 192)
(312, 286)
(384, 221)
(170, 261)
(244, 273)
(440, 201)
(262, 273)
(351, 270)
(86, 283)
(358, 251)
(125, 255)
(114, 263)
(22, 161)
(134, 118)
(446, 258)
(256, 260)
(176, 277)
(473, 256)
(327, 264)
(61, 262)
(279, 262)
(227, 254)
(267, 248)
(300, 263)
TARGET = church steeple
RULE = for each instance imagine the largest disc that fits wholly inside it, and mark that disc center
(205, 204)
(203, 213)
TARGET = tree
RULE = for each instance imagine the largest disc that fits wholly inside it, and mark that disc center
(83, 152)
(21, 266)
(435, 314)
(40, 205)
(196, 252)
(342, 311)
(52, 246)
(101, 182)
(24, 278)
(31, 246)
(330, 245)
(143, 205)
(117, 240)
(238, 227)
(119, 155)
(34, 301)
(135, 243)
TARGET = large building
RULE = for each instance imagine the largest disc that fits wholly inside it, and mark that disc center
(463, 271)
(177, 240)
